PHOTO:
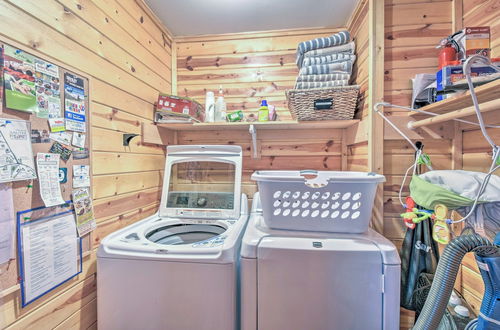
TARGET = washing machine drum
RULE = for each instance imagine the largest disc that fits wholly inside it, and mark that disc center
(179, 234)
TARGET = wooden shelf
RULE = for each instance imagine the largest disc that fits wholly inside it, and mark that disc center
(484, 93)
(260, 125)
(461, 106)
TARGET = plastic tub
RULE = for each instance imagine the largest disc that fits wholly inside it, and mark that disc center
(326, 201)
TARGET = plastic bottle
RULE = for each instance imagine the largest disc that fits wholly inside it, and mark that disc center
(210, 107)
(263, 111)
(220, 107)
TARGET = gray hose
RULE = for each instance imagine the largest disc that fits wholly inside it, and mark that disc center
(444, 279)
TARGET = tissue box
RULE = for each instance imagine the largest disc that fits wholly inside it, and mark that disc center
(180, 105)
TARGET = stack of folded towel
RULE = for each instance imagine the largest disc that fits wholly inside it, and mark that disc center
(325, 62)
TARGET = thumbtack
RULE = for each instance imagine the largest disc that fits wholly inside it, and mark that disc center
(29, 186)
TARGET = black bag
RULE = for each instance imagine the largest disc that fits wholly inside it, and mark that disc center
(419, 254)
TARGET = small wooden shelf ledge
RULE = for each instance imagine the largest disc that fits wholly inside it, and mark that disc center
(289, 124)
(484, 93)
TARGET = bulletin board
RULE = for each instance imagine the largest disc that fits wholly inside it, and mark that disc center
(26, 194)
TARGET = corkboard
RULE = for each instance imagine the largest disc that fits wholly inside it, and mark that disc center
(26, 194)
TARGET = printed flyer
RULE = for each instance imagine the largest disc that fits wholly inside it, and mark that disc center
(1, 77)
(48, 179)
(19, 80)
(85, 221)
(74, 103)
(48, 96)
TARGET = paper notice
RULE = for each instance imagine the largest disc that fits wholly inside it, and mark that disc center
(50, 254)
(16, 155)
(57, 124)
(61, 150)
(81, 176)
(7, 224)
(74, 103)
(62, 137)
(84, 211)
(78, 140)
(48, 178)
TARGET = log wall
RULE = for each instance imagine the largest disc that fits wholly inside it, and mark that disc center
(127, 59)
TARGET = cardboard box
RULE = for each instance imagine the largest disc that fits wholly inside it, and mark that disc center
(476, 40)
(180, 105)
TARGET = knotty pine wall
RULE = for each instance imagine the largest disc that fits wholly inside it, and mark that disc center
(476, 151)
(127, 58)
(412, 30)
(261, 65)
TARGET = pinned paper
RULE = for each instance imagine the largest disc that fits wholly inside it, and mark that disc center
(80, 153)
(16, 155)
(81, 176)
(40, 136)
(84, 211)
(48, 178)
(62, 137)
(58, 148)
(63, 175)
(19, 80)
(78, 140)
(74, 103)
(7, 224)
(56, 124)
(48, 96)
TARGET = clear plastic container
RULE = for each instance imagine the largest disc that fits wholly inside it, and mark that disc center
(327, 201)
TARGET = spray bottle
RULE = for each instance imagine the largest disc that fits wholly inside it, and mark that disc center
(220, 106)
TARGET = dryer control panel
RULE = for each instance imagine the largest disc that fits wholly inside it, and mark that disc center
(200, 200)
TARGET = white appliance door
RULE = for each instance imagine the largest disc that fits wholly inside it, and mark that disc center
(319, 284)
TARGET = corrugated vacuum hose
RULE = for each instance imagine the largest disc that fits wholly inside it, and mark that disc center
(445, 276)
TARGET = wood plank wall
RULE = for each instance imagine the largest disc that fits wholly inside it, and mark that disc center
(127, 58)
(476, 151)
(249, 67)
(412, 30)
(261, 65)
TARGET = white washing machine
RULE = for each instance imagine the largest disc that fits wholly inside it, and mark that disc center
(296, 280)
(178, 269)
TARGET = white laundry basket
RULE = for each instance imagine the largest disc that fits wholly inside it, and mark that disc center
(311, 200)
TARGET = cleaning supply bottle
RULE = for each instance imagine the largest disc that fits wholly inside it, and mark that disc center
(263, 111)
(220, 106)
(210, 107)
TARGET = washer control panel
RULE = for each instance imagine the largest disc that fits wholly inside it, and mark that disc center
(200, 200)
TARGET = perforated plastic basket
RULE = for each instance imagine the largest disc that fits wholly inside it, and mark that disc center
(311, 200)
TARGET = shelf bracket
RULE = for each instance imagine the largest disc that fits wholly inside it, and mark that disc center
(253, 132)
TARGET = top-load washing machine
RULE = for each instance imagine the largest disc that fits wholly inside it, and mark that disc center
(178, 268)
(313, 277)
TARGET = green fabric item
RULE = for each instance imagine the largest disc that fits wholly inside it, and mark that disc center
(428, 195)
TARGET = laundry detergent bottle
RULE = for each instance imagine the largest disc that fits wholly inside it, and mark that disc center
(263, 111)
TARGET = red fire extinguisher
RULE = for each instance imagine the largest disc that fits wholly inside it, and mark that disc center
(448, 53)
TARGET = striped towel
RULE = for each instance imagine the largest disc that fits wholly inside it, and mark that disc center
(345, 66)
(321, 84)
(340, 75)
(346, 48)
(333, 58)
(340, 38)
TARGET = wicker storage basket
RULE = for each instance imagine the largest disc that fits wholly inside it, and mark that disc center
(323, 103)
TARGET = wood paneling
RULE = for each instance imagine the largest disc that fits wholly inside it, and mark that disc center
(126, 56)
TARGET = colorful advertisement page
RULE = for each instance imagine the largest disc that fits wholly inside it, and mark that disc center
(19, 80)
(74, 103)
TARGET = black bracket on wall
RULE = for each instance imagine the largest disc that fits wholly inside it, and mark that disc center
(127, 137)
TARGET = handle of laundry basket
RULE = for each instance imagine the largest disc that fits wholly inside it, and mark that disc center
(308, 172)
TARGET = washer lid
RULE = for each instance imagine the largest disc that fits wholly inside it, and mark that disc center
(183, 233)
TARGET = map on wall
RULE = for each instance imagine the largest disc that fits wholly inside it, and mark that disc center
(16, 156)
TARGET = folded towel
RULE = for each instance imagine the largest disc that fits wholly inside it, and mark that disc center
(345, 66)
(340, 75)
(346, 48)
(340, 38)
(321, 84)
(332, 58)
